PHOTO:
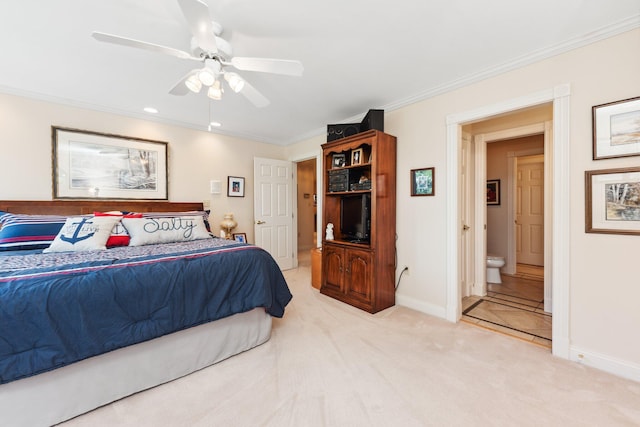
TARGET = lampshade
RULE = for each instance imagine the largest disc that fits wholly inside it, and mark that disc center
(193, 83)
(215, 91)
(236, 83)
(206, 76)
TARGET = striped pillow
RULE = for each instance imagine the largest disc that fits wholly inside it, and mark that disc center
(21, 231)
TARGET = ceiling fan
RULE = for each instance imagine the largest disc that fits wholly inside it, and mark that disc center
(215, 54)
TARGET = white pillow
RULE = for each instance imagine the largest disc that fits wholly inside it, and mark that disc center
(147, 231)
(83, 233)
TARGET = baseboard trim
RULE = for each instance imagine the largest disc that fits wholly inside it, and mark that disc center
(606, 363)
(421, 306)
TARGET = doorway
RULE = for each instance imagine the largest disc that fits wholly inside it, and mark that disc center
(559, 220)
(514, 229)
(307, 201)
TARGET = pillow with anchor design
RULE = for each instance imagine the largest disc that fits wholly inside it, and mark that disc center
(83, 233)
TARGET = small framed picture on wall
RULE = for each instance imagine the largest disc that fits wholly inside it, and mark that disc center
(493, 192)
(616, 129)
(236, 186)
(423, 182)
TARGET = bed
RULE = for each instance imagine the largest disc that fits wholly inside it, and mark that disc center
(80, 329)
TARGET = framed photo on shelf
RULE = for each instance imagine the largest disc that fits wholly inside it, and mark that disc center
(616, 129)
(240, 237)
(423, 182)
(93, 165)
(339, 160)
(612, 201)
(356, 156)
(493, 192)
(235, 186)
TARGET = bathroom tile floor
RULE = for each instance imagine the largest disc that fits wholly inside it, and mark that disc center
(515, 307)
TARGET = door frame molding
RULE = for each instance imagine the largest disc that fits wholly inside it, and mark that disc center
(560, 96)
(317, 155)
(481, 141)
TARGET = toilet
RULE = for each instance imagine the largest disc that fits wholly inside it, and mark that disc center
(494, 263)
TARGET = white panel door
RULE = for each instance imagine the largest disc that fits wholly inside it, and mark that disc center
(530, 210)
(273, 209)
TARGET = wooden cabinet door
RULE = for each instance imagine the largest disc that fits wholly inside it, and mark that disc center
(333, 268)
(357, 278)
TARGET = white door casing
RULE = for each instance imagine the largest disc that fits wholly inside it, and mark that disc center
(466, 204)
(273, 209)
(557, 154)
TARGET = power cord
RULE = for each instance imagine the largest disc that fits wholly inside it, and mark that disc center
(400, 277)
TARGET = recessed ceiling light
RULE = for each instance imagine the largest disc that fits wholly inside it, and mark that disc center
(214, 125)
(151, 110)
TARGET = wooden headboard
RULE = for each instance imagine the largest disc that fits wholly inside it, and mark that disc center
(84, 207)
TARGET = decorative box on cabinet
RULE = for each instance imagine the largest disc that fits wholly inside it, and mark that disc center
(361, 272)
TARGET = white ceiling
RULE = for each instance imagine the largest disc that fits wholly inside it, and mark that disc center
(357, 54)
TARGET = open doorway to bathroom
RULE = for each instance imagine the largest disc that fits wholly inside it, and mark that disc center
(510, 160)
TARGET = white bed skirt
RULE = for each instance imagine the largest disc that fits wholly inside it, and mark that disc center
(56, 396)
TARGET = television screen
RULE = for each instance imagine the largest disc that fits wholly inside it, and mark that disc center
(354, 217)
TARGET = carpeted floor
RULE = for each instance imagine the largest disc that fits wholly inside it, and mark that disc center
(329, 364)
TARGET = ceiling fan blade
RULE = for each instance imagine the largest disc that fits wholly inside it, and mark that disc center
(124, 41)
(181, 88)
(252, 94)
(197, 15)
(268, 65)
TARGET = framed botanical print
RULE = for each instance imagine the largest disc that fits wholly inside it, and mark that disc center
(423, 182)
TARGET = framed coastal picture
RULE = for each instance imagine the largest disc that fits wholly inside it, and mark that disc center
(616, 129)
(612, 201)
(94, 165)
(423, 182)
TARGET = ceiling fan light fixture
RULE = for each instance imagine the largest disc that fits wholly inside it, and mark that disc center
(215, 91)
(206, 76)
(193, 83)
(236, 83)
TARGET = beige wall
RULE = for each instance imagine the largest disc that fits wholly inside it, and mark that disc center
(195, 157)
(603, 287)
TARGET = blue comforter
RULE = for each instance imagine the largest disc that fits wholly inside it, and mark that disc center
(56, 309)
